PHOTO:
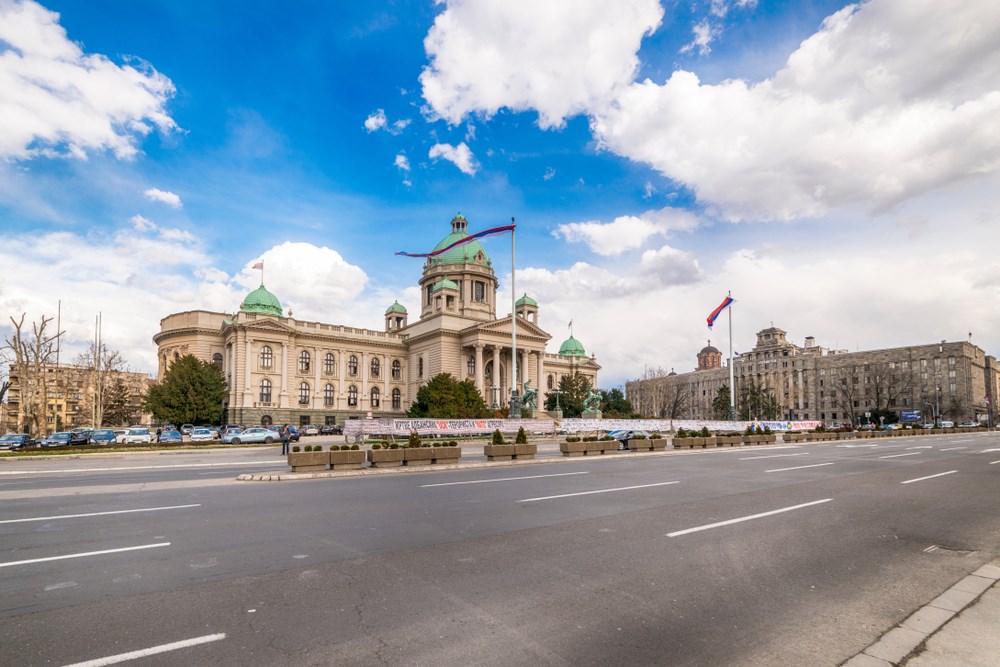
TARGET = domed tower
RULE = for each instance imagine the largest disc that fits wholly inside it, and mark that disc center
(263, 302)
(527, 308)
(395, 317)
(571, 347)
(464, 273)
(709, 358)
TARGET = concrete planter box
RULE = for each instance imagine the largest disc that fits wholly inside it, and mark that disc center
(525, 451)
(308, 461)
(728, 440)
(597, 447)
(446, 454)
(385, 458)
(688, 443)
(498, 452)
(573, 448)
(418, 456)
(640, 445)
(846, 435)
(351, 459)
(658, 444)
(795, 437)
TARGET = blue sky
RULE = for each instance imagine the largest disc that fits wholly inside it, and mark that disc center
(833, 165)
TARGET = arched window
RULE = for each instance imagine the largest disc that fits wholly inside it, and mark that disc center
(328, 395)
(471, 365)
(375, 397)
(376, 367)
(329, 363)
(304, 360)
(420, 367)
(266, 357)
(352, 396)
(303, 393)
(217, 359)
(397, 399)
(549, 382)
(397, 370)
(352, 365)
(265, 391)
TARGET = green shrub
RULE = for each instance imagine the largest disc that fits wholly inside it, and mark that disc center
(414, 440)
(572, 438)
(705, 432)
(638, 436)
(295, 448)
(819, 429)
(522, 437)
(681, 433)
(605, 437)
(438, 444)
(393, 445)
(768, 431)
(307, 448)
(353, 447)
(453, 443)
(655, 436)
(377, 446)
(497, 437)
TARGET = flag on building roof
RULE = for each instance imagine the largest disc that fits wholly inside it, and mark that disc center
(715, 313)
(258, 265)
(494, 231)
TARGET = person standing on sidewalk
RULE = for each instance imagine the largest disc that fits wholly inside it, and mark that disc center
(285, 434)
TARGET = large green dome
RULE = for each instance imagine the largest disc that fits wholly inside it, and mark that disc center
(572, 348)
(461, 254)
(261, 301)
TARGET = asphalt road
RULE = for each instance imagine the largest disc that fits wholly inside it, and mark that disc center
(750, 556)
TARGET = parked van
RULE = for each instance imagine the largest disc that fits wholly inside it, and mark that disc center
(947, 424)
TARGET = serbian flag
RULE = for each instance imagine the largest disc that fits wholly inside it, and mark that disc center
(715, 313)
(495, 231)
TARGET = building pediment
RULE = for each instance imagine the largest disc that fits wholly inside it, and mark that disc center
(266, 324)
(503, 327)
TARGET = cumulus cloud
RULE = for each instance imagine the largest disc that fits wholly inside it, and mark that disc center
(57, 100)
(704, 34)
(460, 155)
(890, 99)
(169, 198)
(560, 57)
(401, 162)
(378, 121)
(627, 232)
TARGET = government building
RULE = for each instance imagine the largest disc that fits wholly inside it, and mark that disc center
(956, 380)
(281, 369)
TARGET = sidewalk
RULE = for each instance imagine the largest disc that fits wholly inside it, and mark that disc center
(959, 628)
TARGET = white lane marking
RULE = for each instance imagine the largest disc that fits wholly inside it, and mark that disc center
(587, 493)
(502, 479)
(995, 449)
(994, 462)
(162, 648)
(177, 465)
(746, 518)
(892, 456)
(772, 456)
(857, 446)
(922, 447)
(76, 516)
(948, 449)
(920, 479)
(81, 555)
(815, 465)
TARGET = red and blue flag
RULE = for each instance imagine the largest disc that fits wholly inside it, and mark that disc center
(495, 231)
(715, 313)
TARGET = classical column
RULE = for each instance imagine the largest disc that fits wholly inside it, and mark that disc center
(316, 380)
(341, 372)
(363, 374)
(283, 396)
(495, 382)
(246, 366)
(386, 372)
(479, 368)
(540, 372)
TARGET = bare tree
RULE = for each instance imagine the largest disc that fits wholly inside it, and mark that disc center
(677, 400)
(102, 366)
(30, 354)
(886, 385)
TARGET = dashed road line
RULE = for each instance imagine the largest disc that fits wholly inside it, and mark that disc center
(948, 449)
(892, 456)
(922, 447)
(153, 650)
(994, 462)
(77, 516)
(587, 493)
(502, 479)
(82, 555)
(746, 518)
(815, 465)
(773, 456)
(920, 479)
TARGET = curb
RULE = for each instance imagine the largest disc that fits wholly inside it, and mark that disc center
(904, 641)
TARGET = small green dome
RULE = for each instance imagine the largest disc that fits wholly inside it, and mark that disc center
(444, 283)
(395, 308)
(525, 301)
(572, 348)
(261, 301)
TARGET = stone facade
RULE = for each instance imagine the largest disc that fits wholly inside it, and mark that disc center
(810, 382)
(281, 369)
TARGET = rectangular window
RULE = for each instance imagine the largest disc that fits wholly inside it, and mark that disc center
(479, 293)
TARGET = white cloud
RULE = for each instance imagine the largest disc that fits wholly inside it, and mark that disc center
(142, 223)
(704, 34)
(378, 121)
(560, 57)
(721, 7)
(627, 232)
(549, 174)
(460, 155)
(401, 162)
(169, 198)
(58, 101)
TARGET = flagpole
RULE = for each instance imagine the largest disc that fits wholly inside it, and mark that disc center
(732, 385)
(514, 411)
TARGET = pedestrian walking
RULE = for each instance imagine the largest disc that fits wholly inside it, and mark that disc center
(285, 434)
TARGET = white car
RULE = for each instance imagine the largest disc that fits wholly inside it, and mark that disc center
(309, 429)
(136, 436)
(202, 434)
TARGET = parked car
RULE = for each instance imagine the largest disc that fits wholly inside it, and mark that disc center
(930, 425)
(137, 435)
(892, 427)
(947, 424)
(294, 434)
(623, 436)
(230, 429)
(254, 434)
(13, 441)
(63, 439)
(331, 429)
(171, 436)
(104, 436)
(310, 429)
(202, 435)
(120, 433)
(186, 429)
(969, 425)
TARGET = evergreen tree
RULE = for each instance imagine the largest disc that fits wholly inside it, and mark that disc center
(720, 404)
(192, 391)
(117, 411)
(614, 405)
(445, 397)
(574, 390)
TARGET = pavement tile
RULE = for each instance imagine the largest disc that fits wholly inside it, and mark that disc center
(896, 644)
(973, 584)
(953, 600)
(969, 640)
(928, 619)
(862, 660)
(989, 571)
